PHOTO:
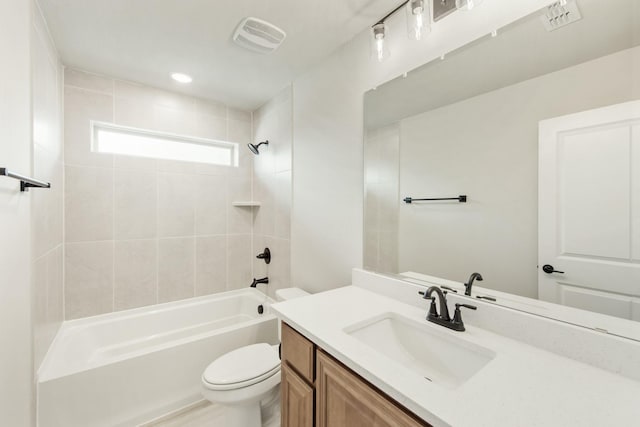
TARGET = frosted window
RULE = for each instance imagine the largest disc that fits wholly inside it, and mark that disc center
(108, 138)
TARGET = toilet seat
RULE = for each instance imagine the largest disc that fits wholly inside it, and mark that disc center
(242, 367)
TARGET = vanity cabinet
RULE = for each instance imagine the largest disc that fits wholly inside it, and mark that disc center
(317, 387)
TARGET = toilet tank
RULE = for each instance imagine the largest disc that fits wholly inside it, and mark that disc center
(287, 294)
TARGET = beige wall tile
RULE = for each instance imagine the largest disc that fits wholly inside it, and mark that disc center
(135, 269)
(134, 113)
(175, 101)
(176, 205)
(245, 162)
(85, 80)
(164, 223)
(282, 214)
(80, 107)
(135, 204)
(239, 115)
(55, 287)
(88, 204)
(135, 163)
(240, 218)
(176, 271)
(211, 108)
(174, 121)
(239, 131)
(211, 265)
(239, 261)
(39, 298)
(89, 279)
(138, 92)
(211, 127)
(264, 217)
(211, 205)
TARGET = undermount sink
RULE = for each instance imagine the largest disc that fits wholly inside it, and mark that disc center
(437, 355)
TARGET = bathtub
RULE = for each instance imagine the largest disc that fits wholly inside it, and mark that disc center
(125, 368)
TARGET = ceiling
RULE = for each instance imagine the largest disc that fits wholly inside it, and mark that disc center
(145, 41)
(522, 51)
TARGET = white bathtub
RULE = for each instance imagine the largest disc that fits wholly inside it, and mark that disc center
(124, 368)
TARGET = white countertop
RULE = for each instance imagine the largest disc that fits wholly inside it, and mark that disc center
(522, 386)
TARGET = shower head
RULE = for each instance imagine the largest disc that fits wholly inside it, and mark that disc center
(255, 149)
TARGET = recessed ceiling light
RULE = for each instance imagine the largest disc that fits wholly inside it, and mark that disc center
(181, 78)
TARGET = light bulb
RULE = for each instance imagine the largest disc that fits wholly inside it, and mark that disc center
(379, 51)
(418, 21)
(380, 48)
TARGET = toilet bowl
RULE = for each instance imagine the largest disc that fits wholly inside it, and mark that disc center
(244, 378)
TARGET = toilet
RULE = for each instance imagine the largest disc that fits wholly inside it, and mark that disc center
(243, 378)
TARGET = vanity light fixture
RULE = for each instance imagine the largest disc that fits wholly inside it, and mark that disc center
(418, 21)
(181, 78)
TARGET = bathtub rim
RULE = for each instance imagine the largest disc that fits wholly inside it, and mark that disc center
(68, 326)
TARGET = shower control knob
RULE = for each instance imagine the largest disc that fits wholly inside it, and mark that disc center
(265, 255)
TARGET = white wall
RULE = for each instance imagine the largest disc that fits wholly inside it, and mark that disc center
(15, 153)
(492, 156)
(327, 211)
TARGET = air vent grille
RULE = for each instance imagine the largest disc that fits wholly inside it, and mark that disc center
(560, 14)
(258, 35)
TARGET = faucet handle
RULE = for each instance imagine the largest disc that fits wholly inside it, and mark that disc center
(457, 316)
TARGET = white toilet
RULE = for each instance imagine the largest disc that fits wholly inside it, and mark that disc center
(243, 378)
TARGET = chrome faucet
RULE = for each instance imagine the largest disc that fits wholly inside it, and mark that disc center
(469, 284)
(442, 317)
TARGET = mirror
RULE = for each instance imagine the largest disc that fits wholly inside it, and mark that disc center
(541, 131)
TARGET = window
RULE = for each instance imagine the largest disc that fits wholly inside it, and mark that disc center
(113, 139)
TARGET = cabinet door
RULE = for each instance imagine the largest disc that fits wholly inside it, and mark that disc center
(345, 400)
(296, 400)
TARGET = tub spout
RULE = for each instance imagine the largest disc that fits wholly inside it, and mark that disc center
(256, 282)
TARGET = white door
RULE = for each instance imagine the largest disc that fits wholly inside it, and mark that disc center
(589, 210)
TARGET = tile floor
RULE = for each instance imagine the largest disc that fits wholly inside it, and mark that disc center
(206, 414)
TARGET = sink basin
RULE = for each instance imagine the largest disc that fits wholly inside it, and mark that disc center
(431, 351)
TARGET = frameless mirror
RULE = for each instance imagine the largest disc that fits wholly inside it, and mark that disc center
(539, 127)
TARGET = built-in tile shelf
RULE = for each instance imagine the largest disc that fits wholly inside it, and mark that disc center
(247, 204)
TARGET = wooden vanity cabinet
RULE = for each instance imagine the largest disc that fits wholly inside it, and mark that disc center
(318, 390)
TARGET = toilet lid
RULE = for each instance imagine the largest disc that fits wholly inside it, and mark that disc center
(243, 367)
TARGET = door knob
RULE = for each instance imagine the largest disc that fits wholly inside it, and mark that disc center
(549, 269)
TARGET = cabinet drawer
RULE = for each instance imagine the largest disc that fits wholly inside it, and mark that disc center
(298, 352)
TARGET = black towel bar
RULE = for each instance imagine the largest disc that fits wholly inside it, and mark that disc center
(25, 182)
(461, 199)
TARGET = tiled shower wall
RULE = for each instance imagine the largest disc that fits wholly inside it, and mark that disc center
(46, 208)
(272, 188)
(382, 199)
(143, 231)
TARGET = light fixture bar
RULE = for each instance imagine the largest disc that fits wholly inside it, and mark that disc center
(384, 18)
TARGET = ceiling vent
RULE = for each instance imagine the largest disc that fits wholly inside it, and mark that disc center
(258, 35)
(559, 14)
